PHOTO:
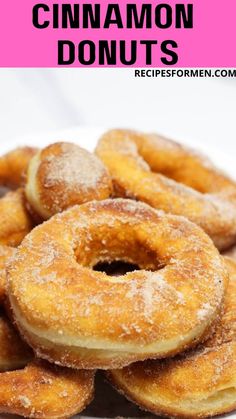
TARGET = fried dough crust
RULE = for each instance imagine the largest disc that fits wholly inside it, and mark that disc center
(14, 353)
(81, 318)
(13, 166)
(62, 175)
(171, 177)
(6, 253)
(42, 390)
(15, 220)
(198, 384)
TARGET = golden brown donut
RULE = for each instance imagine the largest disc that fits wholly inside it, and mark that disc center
(62, 175)
(41, 390)
(6, 253)
(14, 353)
(78, 317)
(173, 178)
(198, 384)
(13, 166)
(15, 220)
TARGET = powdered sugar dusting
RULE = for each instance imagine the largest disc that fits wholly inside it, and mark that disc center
(74, 167)
(204, 311)
(25, 401)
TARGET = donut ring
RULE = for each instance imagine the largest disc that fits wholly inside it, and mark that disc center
(15, 220)
(6, 253)
(171, 177)
(81, 318)
(199, 384)
(13, 166)
(62, 175)
(42, 390)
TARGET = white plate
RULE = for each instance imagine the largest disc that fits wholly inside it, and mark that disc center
(107, 402)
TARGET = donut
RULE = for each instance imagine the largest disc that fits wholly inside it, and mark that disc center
(172, 178)
(41, 390)
(15, 220)
(231, 252)
(199, 384)
(13, 166)
(14, 353)
(78, 317)
(6, 253)
(62, 175)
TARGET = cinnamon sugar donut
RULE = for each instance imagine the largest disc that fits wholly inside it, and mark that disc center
(62, 175)
(13, 166)
(173, 178)
(14, 353)
(199, 384)
(15, 220)
(78, 317)
(6, 253)
(41, 390)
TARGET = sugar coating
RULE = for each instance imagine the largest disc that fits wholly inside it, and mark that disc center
(74, 167)
(194, 379)
(64, 174)
(138, 308)
(127, 155)
(44, 390)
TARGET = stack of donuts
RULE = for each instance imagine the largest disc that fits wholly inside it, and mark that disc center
(121, 261)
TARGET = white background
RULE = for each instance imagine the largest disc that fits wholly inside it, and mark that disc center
(35, 101)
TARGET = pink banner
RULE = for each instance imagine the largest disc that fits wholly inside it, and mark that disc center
(209, 43)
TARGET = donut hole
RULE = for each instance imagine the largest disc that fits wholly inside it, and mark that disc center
(116, 267)
(110, 250)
